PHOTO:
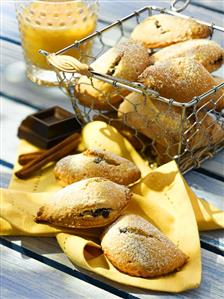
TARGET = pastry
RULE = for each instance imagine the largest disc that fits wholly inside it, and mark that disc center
(127, 60)
(220, 102)
(206, 52)
(136, 247)
(180, 79)
(164, 125)
(152, 118)
(163, 30)
(205, 132)
(93, 202)
(96, 163)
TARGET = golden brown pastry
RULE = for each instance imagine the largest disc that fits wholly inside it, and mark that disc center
(137, 248)
(93, 202)
(152, 118)
(127, 60)
(164, 125)
(205, 51)
(180, 79)
(96, 163)
(206, 131)
(163, 30)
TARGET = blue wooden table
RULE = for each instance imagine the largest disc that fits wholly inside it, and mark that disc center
(36, 267)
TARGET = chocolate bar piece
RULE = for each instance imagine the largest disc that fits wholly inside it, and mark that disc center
(48, 127)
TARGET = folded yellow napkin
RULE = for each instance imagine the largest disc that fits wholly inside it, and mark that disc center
(162, 197)
(174, 218)
(102, 135)
(173, 215)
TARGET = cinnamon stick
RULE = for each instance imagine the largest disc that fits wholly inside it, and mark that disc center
(26, 158)
(55, 153)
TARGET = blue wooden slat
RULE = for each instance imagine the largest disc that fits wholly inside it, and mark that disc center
(45, 260)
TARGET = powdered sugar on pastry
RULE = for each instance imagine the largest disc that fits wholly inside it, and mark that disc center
(206, 52)
(180, 79)
(163, 30)
(136, 247)
(90, 203)
(96, 163)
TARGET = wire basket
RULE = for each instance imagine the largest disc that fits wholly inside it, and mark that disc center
(190, 136)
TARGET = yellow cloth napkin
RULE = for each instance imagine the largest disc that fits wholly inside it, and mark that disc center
(166, 204)
(175, 218)
(102, 135)
(162, 197)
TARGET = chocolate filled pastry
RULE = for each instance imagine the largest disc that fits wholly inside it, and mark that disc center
(162, 30)
(93, 202)
(180, 79)
(204, 51)
(96, 163)
(126, 60)
(136, 247)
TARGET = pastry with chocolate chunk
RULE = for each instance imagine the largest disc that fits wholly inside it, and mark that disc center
(162, 30)
(136, 247)
(96, 163)
(126, 60)
(204, 51)
(93, 202)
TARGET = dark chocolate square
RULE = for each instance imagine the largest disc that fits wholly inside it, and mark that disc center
(48, 127)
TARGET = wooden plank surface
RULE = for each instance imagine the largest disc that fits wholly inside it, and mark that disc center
(216, 5)
(217, 165)
(207, 188)
(211, 286)
(24, 277)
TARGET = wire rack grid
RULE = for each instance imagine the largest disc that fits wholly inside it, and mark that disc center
(161, 129)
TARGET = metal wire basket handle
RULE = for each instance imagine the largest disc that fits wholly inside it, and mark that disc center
(173, 6)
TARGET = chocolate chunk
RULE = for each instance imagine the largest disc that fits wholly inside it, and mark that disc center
(97, 160)
(123, 230)
(98, 212)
